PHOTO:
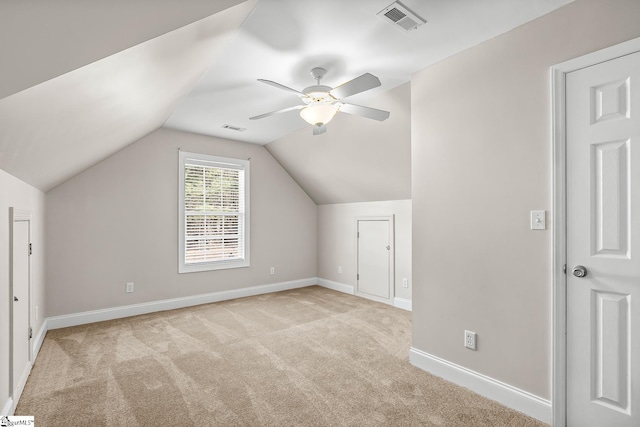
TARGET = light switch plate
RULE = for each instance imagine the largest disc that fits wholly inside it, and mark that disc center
(538, 220)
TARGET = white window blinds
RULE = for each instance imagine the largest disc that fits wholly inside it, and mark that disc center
(214, 210)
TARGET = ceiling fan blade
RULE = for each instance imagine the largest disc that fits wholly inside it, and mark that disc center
(284, 110)
(359, 110)
(283, 87)
(319, 129)
(359, 84)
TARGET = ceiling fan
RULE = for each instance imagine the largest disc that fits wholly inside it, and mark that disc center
(321, 103)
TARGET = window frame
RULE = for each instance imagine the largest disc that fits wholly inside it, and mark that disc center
(244, 165)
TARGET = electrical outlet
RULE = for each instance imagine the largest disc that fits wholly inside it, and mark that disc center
(405, 282)
(272, 271)
(470, 340)
(339, 269)
(129, 287)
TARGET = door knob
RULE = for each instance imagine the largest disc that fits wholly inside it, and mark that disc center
(579, 271)
(15, 298)
(388, 248)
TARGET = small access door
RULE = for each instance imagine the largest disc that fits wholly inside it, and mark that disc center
(19, 300)
(375, 258)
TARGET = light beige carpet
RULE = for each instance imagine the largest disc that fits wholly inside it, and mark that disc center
(306, 357)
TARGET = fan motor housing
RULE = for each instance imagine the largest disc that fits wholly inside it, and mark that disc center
(317, 93)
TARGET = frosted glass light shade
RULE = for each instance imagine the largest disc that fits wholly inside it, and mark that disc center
(318, 113)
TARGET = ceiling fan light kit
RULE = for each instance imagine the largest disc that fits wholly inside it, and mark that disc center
(321, 103)
(318, 113)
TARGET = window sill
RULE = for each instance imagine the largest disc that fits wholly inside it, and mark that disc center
(211, 266)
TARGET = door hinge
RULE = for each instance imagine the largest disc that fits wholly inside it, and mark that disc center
(30, 332)
(357, 277)
(564, 269)
(358, 234)
(30, 249)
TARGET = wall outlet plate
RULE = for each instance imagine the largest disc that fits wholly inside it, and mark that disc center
(470, 340)
(129, 287)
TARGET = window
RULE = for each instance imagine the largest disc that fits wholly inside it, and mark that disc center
(214, 213)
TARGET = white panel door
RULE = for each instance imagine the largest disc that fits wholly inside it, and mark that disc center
(374, 259)
(603, 236)
(20, 355)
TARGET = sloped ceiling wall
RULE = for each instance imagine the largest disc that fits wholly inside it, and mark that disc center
(357, 160)
(61, 119)
(43, 39)
(283, 40)
(54, 130)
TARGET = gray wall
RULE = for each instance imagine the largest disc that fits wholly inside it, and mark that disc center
(358, 159)
(17, 194)
(481, 160)
(117, 222)
(337, 244)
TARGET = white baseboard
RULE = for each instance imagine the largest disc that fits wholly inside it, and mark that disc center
(505, 394)
(8, 408)
(10, 404)
(39, 339)
(22, 382)
(336, 286)
(75, 319)
(402, 303)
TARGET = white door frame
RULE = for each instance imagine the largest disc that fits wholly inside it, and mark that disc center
(392, 255)
(558, 100)
(16, 215)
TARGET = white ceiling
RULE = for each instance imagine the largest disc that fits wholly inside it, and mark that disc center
(54, 130)
(43, 39)
(283, 39)
(87, 78)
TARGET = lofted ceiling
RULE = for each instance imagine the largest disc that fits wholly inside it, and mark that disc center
(54, 130)
(88, 77)
(283, 40)
(43, 39)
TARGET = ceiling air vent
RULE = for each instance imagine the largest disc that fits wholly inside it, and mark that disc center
(234, 128)
(400, 16)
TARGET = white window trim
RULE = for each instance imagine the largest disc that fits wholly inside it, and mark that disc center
(215, 265)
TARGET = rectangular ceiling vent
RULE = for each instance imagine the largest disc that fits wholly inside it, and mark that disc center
(234, 128)
(400, 16)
